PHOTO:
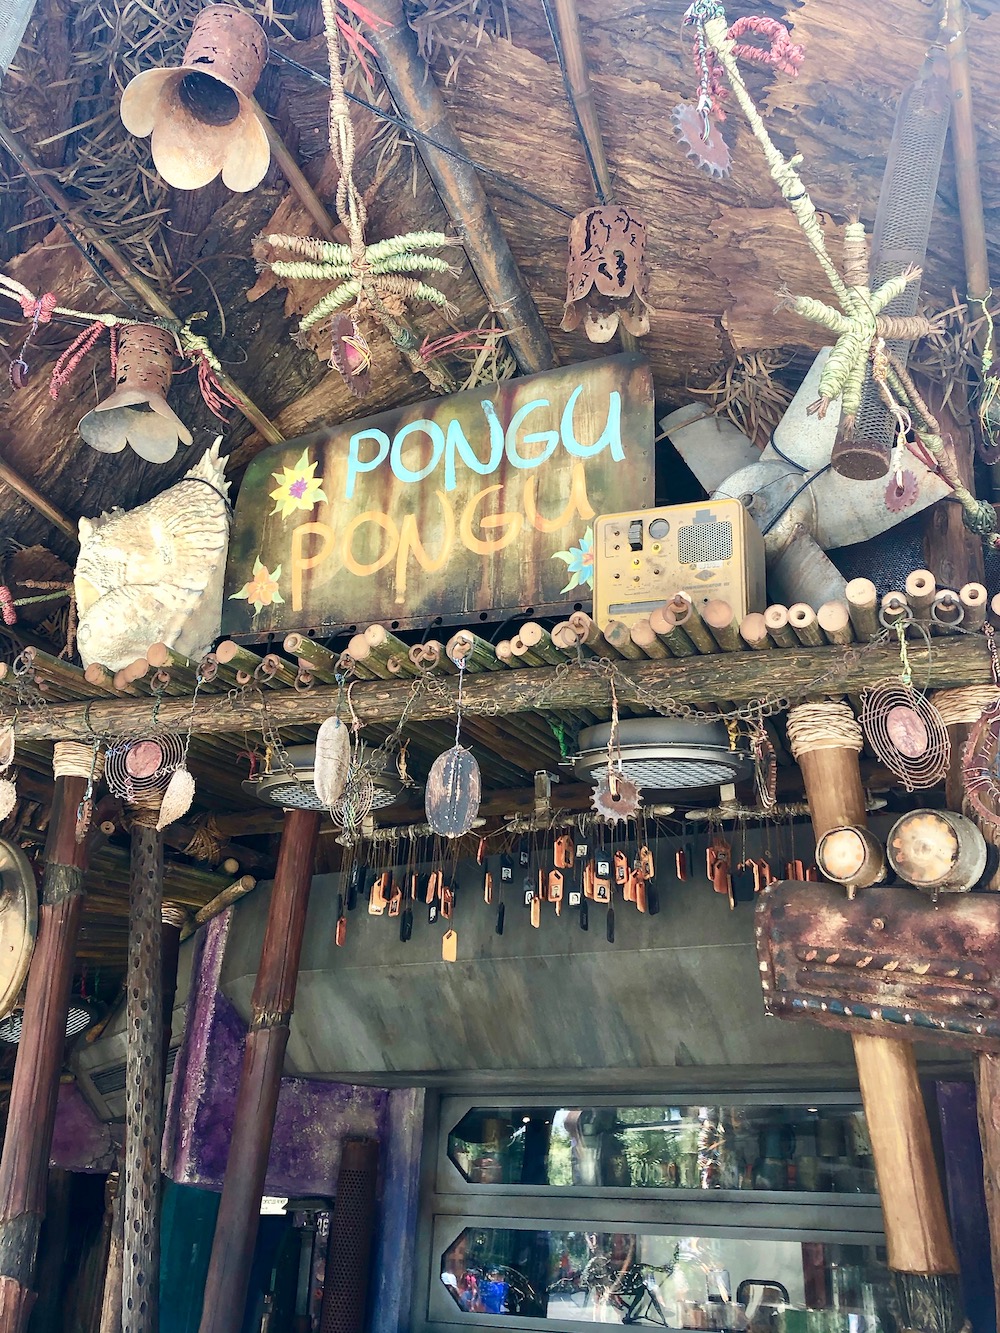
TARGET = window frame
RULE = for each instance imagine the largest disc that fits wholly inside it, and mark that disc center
(449, 1202)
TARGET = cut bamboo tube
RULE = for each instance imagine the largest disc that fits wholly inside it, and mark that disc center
(834, 620)
(540, 641)
(471, 649)
(862, 601)
(995, 606)
(920, 587)
(802, 619)
(686, 615)
(181, 669)
(664, 625)
(894, 607)
(384, 643)
(753, 631)
(973, 598)
(722, 625)
(436, 658)
(776, 620)
(947, 612)
(319, 661)
(591, 635)
(647, 641)
(229, 895)
(568, 640)
(246, 664)
(617, 634)
(102, 679)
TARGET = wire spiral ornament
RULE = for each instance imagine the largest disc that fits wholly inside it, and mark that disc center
(981, 765)
(907, 733)
(139, 768)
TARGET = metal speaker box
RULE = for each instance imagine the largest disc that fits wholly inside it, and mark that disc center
(709, 550)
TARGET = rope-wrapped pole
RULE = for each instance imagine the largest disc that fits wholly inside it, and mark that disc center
(260, 1077)
(144, 1056)
(24, 1163)
(825, 741)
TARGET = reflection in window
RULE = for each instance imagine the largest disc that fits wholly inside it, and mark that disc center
(757, 1285)
(781, 1148)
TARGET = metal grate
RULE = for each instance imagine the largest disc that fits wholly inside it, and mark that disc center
(705, 543)
(14, 16)
(345, 1289)
(903, 219)
(679, 774)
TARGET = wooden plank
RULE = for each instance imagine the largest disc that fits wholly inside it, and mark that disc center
(802, 672)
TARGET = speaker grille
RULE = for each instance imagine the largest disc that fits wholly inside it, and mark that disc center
(705, 543)
(345, 1290)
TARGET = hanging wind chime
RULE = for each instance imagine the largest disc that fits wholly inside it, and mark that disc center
(904, 728)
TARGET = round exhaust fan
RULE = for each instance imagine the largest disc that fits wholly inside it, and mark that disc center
(297, 791)
(665, 754)
(81, 1015)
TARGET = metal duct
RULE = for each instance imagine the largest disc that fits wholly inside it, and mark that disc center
(14, 16)
(345, 1289)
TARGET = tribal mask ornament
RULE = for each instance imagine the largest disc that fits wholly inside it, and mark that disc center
(137, 413)
(201, 116)
(607, 278)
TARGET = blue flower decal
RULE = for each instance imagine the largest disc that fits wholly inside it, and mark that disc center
(579, 562)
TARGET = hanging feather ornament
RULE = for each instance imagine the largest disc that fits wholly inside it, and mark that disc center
(333, 761)
(454, 784)
(177, 798)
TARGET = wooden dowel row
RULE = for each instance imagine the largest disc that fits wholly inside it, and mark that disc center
(862, 603)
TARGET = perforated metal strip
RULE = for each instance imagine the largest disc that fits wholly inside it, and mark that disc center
(143, 1086)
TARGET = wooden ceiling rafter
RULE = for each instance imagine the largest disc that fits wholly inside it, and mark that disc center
(418, 100)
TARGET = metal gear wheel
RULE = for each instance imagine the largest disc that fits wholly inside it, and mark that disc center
(901, 491)
(614, 807)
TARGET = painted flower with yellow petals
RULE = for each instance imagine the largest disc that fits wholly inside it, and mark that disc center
(262, 590)
(298, 487)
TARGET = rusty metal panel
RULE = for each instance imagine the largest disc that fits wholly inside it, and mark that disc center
(476, 506)
(891, 962)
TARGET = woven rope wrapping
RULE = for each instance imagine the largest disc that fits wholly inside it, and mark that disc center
(72, 759)
(823, 726)
(964, 705)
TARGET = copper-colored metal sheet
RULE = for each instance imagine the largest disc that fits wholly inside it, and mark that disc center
(890, 962)
(18, 922)
(478, 505)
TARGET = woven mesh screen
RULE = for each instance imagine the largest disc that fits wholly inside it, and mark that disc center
(14, 16)
(903, 220)
(345, 1291)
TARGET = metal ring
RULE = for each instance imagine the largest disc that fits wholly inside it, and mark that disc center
(904, 618)
(943, 598)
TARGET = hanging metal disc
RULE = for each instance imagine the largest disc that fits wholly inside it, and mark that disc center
(18, 922)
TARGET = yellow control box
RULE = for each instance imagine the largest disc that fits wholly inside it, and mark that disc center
(711, 549)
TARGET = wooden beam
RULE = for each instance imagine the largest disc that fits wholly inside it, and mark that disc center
(803, 672)
(419, 102)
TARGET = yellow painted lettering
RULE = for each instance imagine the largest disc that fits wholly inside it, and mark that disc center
(363, 568)
(409, 540)
(487, 545)
(577, 501)
(300, 562)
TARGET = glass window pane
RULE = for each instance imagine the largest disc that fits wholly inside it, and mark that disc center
(690, 1282)
(821, 1149)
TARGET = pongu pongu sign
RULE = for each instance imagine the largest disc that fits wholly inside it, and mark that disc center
(475, 506)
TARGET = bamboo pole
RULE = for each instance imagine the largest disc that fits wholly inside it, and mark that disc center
(834, 619)
(686, 614)
(418, 99)
(722, 625)
(973, 597)
(781, 633)
(804, 625)
(920, 588)
(753, 631)
(24, 1163)
(862, 600)
(647, 640)
(918, 1237)
(664, 625)
(260, 1078)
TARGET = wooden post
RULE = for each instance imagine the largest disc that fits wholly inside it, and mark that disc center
(260, 1078)
(24, 1164)
(918, 1237)
(143, 1080)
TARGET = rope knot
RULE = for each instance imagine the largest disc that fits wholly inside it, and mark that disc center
(39, 309)
(980, 517)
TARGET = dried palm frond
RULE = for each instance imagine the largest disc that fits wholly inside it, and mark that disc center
(452, 28)
(746, 390)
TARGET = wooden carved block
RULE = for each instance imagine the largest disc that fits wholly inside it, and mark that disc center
(891, 962)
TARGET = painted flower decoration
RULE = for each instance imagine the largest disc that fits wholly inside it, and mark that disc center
(579, 562)
(262, 590)
(298, 487)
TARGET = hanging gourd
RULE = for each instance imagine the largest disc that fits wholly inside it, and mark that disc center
(201, 116)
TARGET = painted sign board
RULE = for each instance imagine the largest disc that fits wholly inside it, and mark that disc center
(473, 507)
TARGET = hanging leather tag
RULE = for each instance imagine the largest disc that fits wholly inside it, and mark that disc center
(355, 884)
(395, 900)
(652, 900)
(340, 934)
(588, 879)
(639, 892)
(432, 913)
(542, 885)
(621, 868)
(481, 852)
(602, 890)
(506, 869)
(536, 912)
(449, 946)
(680, 864)
(644, 863)
(434, 882)
(377, 894)
(562, 851)
(406, 925)
(584, 914)
(812, 874)
(609, 927)
(501, 913)
(488, 887)
(447, 902)
(555, 886)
